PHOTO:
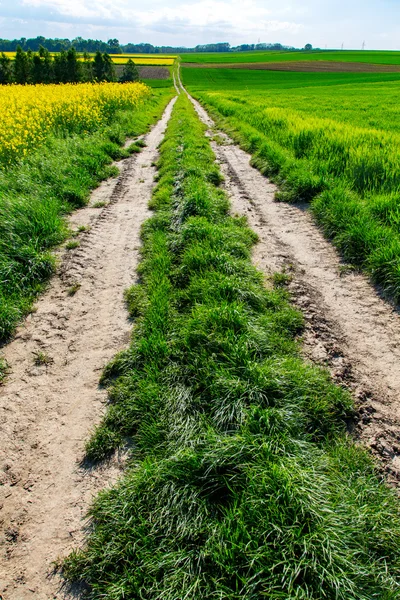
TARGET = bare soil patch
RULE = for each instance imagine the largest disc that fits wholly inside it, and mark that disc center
(147, 72)
(51, 399)
(315, 66)
(350, 329)
(154, 73)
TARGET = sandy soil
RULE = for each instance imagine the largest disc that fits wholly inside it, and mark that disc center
(349, 328)
(47, 412)
(312, 66)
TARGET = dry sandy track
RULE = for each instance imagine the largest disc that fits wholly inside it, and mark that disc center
(350, 329)
(46, 412)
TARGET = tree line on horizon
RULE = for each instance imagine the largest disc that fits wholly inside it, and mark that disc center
(113, 46)
(64, 67)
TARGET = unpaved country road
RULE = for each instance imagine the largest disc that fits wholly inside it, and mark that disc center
(349, 328)
(47, 412)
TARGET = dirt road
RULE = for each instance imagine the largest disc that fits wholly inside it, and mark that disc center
(47, 411)
(349, 328)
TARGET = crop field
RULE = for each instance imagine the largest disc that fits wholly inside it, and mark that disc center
(122, 59)
(30, 114)
(143, 60)
(325, 141)
(363, 56)
(261, 81)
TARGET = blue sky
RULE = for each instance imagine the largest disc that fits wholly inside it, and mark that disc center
(190, 22)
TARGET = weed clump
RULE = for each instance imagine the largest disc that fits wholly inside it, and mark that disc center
(42, 359)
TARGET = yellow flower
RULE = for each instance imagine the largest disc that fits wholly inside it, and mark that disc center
(30, 113)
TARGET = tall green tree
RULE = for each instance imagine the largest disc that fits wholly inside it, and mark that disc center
(22, 66)
(37, 69)
(5, 69)
(48, 67)
(61, 67)
(103, 67)
(87, 68)
(109, 69)
(98, 66)
(130, 72)
(74, 70)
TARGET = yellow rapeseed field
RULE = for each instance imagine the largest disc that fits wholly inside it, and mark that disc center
(30, 113)
(166, 62)
(122, 59)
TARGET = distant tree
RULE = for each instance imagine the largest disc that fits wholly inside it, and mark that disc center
(219, 47)
(22, 66)
(130, 72)
(113, 46)
(35, 43)
(308, 47)
(5, 69)
(79, 44)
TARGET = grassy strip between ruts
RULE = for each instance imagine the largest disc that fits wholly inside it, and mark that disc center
(242, 481)
(37, 193)
(351, 175)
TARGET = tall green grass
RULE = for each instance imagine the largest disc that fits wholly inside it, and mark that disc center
(350, 174)
(36, 195)
(242, 482)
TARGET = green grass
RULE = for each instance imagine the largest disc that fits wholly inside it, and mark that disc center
(335, 146)
(72, 244)
(263, 81)
(242, 482)
(384, 57)
(42, 359)
(36, 194)
(158, 83)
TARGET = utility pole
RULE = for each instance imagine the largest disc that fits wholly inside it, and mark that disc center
(363, 46)
(342, 45)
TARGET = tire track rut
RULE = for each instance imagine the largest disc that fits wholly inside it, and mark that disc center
(350, 329)
(47, 411)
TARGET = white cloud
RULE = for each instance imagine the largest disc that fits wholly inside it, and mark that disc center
(244, 17)
(190, 22)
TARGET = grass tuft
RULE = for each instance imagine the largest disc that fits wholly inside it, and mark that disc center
(73, 289)
(42, 359)
(72, 244)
